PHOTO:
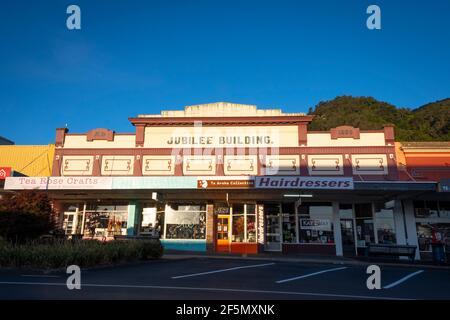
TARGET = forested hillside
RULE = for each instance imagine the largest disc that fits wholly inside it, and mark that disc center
(430, 122)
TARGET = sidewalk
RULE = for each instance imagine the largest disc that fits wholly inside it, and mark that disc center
(313, 259)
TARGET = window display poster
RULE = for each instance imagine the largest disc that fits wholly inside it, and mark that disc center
(315, 224)
(182, 217)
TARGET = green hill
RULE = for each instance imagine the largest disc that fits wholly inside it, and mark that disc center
(430, 122)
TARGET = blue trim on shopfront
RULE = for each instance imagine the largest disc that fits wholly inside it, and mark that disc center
(185, 244)
(131, 221)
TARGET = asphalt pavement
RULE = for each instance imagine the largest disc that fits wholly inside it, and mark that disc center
(203, 278)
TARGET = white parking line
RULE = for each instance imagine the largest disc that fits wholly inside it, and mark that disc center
(310, 274)
(223, 270)
(403, 279)
(38, 276)
(296, 293)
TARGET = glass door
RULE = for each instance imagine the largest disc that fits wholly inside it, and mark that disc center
(273, 228)
(223, 227)
(72, 222)
(348, 237)
(68, 222)
(223, 233)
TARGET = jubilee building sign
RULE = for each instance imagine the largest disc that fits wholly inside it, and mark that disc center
(221, 137)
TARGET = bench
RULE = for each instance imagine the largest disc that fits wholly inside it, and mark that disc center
(391, 250)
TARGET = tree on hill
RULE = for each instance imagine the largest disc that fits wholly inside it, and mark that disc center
(429, 122)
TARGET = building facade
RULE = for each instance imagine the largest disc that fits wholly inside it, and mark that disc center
(25, 160)
(428, 162)
(226, 177)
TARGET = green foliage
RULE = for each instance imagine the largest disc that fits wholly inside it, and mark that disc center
(84, 253)
(427, 123)
(29, 201)
(22, 226)
(25, 215)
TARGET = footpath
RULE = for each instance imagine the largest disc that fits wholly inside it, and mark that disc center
(309, 259)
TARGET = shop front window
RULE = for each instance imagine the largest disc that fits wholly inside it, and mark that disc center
(444, 209)
(238, 223)
(315, 223)
(251, 222)
(364, 224)
(429, 233)
(152, 219)
(289, 223)
(185, 221)
(106, 220)
(384, 224)
(243, 223)
(426, 209)
(345, 211)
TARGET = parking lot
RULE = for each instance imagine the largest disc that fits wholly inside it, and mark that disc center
(206, 278)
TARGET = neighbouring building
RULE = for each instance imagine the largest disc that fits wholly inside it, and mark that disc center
(25, 160)
(226, 177)
(428, 162)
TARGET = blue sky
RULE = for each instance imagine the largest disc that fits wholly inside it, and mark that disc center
(133, 57)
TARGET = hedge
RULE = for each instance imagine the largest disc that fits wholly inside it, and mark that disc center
(84, 253)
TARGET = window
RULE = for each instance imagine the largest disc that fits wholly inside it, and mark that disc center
(152, 219)
(384, 224)
(238, 221)
(251, 222)
(425, 235)
(272, 225)
(289, 223)
(316, 223)
(106, 220)
(364, 224)
(244, 223)
(185, 221)
(345, 211)
(444, 209)
(425, 209)
(433, 223)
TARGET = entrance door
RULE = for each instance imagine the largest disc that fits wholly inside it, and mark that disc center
(273, 232)
(348, 237)
(72, 222)
(68, 222)
(223, 233)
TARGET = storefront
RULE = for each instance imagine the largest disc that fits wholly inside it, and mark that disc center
(245, 220)
(433, 225)
(232, 178)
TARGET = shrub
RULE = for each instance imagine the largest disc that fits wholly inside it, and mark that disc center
(20, 226)
(84, 253)
(25, 215)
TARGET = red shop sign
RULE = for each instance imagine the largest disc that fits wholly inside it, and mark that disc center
(5, 172)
